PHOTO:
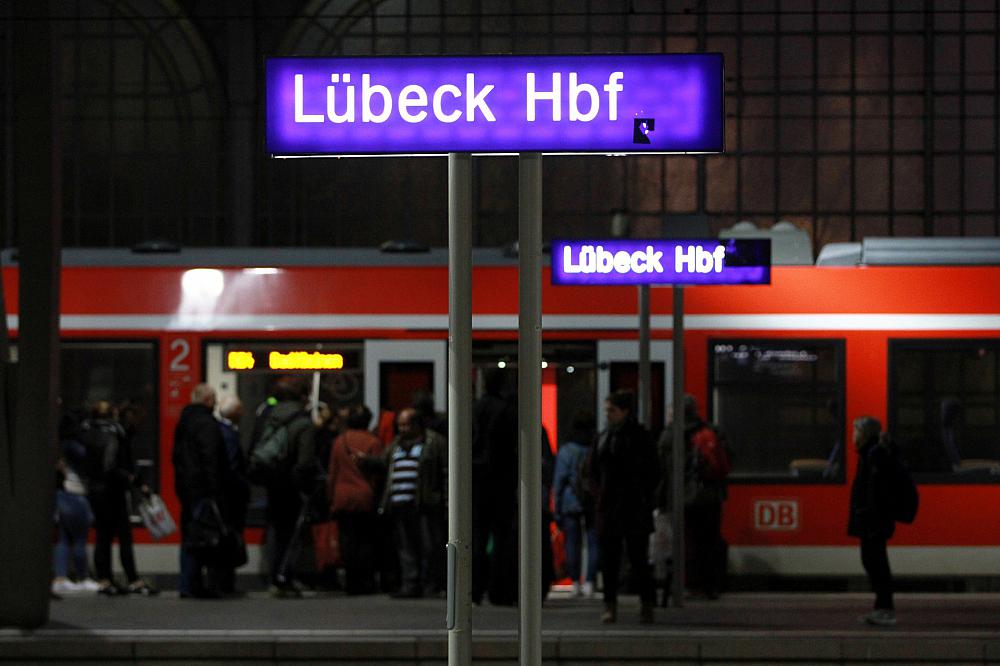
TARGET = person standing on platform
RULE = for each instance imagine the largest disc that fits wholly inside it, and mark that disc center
(200, 470)
(624, 473)
(110, 473)
(575, 514)
(494, 492)
(706, 466)
(236, 485)
(871, 518)
(352, 498)
(293, 481)
(415, 496)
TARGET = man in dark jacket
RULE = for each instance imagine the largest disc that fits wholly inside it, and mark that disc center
(871, 517)
(291, 486)
(200, 468)
(494, 492)
(624, 473)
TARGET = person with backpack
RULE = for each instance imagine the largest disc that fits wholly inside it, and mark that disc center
(284, 462)
(624, 472)
(574, 503)
(882, 493)
(110, 474)
(201, 468)
(707, 465)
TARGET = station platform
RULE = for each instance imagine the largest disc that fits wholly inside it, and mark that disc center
(785, 628)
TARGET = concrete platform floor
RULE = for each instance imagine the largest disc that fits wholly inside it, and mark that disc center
(790, 628)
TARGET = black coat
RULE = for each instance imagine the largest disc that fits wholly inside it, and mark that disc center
(871, 509)
(624, 471)
(200, 459)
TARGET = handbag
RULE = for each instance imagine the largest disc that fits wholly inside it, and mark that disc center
(210, 539)
(326, 541)
(156, 517)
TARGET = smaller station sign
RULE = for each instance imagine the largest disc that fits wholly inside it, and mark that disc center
(661, 261)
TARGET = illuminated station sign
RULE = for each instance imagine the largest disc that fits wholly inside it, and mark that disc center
(285, 360)
(661, 261)
(603, 104)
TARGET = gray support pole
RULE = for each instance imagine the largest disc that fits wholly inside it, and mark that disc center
(529, 409)
(677, 482)
(242, 152)
(26, 497)
(645, 375)
(459, 409)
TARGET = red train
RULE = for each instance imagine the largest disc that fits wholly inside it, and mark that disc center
(783, 368)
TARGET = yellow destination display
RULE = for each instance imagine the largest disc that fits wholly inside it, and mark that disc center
(302, 360)
(240, 360)
(292, 360)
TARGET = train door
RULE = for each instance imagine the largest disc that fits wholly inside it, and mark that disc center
(395, 370)
(618, 368)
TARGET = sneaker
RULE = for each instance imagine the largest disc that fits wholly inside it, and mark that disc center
(880, 617)
(588, 590)
(284, 592)
(64, 585)
(577, 592)
(142, 587)
(610, 614)
(89, 585)
(110, 590)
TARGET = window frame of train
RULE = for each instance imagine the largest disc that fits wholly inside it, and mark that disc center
(352, 346)
(146, 455)
(930, 376)
(809, 472)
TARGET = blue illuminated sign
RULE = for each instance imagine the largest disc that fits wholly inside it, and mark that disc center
(660, 261)
(617, 104)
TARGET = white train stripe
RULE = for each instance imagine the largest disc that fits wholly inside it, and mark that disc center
(719, 322)
(761, 560)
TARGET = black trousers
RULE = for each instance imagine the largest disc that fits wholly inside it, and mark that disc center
(111, 520)
(703, 527)
(637, 547)
(357, 548)
(875, 559)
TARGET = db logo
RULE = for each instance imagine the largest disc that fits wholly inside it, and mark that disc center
(776, 515)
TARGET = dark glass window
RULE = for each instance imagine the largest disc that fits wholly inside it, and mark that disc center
(124, 374)
(944, 407)
(780, 404)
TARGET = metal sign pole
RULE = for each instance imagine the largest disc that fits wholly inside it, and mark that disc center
(645, 375)
(677, 482)
(529, 410)
(459, 409)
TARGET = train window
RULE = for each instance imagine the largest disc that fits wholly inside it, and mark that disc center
(250, 369)
(124, 374)
(780, 403)
(944, 408)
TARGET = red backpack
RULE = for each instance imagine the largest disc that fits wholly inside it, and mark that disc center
(713, 457)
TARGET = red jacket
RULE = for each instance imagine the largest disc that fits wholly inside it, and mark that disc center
(346, 486)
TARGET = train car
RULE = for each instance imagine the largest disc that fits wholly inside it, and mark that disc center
(783, 369)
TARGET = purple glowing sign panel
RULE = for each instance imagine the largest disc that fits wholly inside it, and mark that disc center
(659, 261)
(616, 104)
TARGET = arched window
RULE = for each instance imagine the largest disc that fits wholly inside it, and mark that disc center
(141, 114)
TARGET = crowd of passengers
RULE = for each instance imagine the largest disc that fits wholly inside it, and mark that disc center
(371, 502)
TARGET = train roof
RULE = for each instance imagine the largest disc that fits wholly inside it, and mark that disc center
(893, 251)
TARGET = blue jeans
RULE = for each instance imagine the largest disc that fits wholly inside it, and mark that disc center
(74, 522)
(573, 526)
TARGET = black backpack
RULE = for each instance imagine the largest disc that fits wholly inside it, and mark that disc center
(582, 483)
(103, 445)
(905, 499)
